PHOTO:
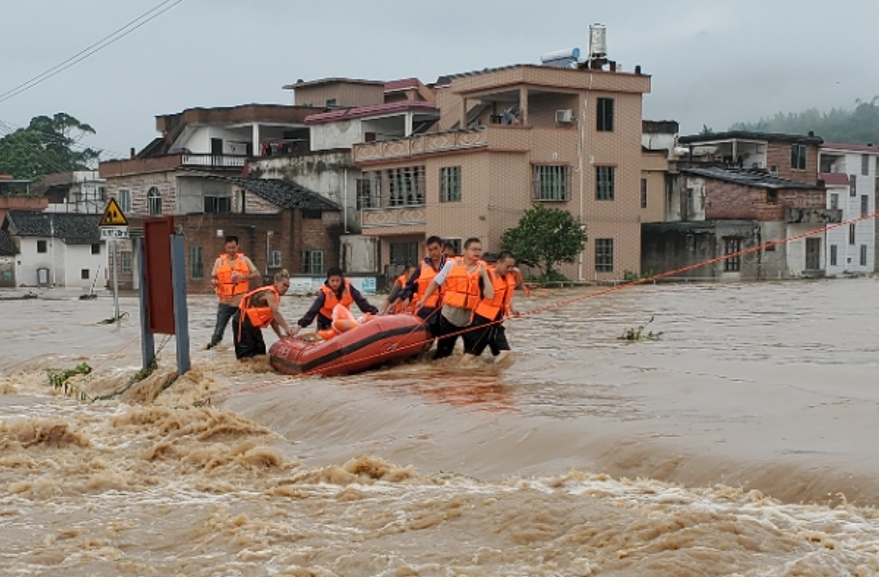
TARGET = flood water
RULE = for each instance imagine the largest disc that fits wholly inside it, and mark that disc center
(741, 442)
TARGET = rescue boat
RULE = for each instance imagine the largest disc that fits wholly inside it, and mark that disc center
(371, 344)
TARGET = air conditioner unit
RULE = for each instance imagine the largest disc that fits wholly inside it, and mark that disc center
(564, 116)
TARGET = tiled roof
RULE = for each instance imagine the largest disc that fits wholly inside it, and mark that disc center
(834, 178)
(869, 148)
(749, 135)
(70, 228)
(746, 177)
(7, 245)
(373, 110)
(332, 80)
(402, 84)
(282, 193)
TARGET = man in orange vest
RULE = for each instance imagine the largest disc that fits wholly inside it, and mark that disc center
(393, 302)
(335, 290)
(231, 279)
(465, 282)
(491, 312)
(260, 309)
(424, 273)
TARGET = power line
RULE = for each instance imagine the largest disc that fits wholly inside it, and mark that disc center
(118, 34)
(41, 152)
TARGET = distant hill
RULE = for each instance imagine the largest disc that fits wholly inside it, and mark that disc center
(857, 126)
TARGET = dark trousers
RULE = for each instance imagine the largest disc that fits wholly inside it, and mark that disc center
(324, 323)
(498, 341)
(224, 315)
(479, 335)
(248, 339)
(431, 315)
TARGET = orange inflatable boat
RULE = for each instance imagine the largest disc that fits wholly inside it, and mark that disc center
(374, 343)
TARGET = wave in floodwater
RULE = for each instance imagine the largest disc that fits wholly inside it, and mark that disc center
(739, 443)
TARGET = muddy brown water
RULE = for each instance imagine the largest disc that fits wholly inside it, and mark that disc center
(742, 442)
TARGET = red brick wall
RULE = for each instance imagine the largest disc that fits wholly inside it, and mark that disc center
(725, 200)
(779, 154)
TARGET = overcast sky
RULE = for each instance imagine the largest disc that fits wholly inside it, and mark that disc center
(712, 62)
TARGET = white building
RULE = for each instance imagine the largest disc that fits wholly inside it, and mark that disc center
(80, 191)
(849, 171)
(57, 249)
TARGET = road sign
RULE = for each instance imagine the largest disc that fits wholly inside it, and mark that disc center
(114, 232)
(113, 215)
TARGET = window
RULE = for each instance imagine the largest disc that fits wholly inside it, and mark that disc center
(154, 202)
(865, 164)
(851, 233)
(865, 205)
(406, 186)
(834, 254)
(369, 190)
(124, 199)
(312, 214)
(196, 262)
(605, 115)
(331, 103)
(450, 184)
(643, 193)
(834, 200)
(84, 273)
(275, 259)
(732, 245)
(456, 244)
(313, 262)
(798, 156)
(96, 248)
(550, 182)
(603, 255)
(863, 255)
(772, 196)
(217, 204)
(41, 246)
(125, 257)
(404, 252)
(853, 185)
(604, 177)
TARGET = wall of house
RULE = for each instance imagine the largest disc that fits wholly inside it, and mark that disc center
(359, 254)
(192, 191)
(7, 271)
(139, 186)
(779, 154)
(330, 174)
(234, 141)
(345, 94)
(654, 168)
(726, 200)
(79, 257)
(64, 263)
(332, 135)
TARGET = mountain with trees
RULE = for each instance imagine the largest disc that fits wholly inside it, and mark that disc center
(48, 144)
(857, 126)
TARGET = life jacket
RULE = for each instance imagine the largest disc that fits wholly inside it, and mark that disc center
(503, 295)
(399, 307)
(461, 288)
(428, 273)
(343, 321)
(260, 316)
(330, 299)
(225, 287)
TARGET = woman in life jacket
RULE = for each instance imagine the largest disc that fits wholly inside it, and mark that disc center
(335, 290)
(343, 321)
(393, 304)
(260, 309)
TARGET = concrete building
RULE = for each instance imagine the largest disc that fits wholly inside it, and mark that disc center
(849, 171)
(507, 138)
(81, 191)
(56, 249)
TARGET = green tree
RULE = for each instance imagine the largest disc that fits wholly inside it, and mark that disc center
(545, 237)
(46, 145)
(857, 126)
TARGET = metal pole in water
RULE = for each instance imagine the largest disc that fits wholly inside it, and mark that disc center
(115, 278)
(181, 312)
(147, 341)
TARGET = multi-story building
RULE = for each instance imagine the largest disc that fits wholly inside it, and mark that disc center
(508, 138)
(849, 171)
(80, 191)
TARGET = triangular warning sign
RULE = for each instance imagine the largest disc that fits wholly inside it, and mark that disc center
(113, 215)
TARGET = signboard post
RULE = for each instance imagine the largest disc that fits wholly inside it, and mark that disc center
(114, 227)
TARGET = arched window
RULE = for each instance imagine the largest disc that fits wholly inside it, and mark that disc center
(154, 202)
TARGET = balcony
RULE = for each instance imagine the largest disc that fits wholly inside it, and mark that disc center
(813, 215)
(421, 144)
(213, 161)
(384, 220)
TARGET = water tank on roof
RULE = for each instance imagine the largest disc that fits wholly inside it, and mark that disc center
(597, 41)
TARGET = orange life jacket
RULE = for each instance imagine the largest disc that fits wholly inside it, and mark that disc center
(330, 300)
(225, 287)
(399, 307)
(461, 288)
(260, 316)
(503, 294)
(428, 273)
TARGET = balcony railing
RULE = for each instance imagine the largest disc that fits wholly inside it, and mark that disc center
(212, 160)
(813, 215)
(393, 217)
(421, 144)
